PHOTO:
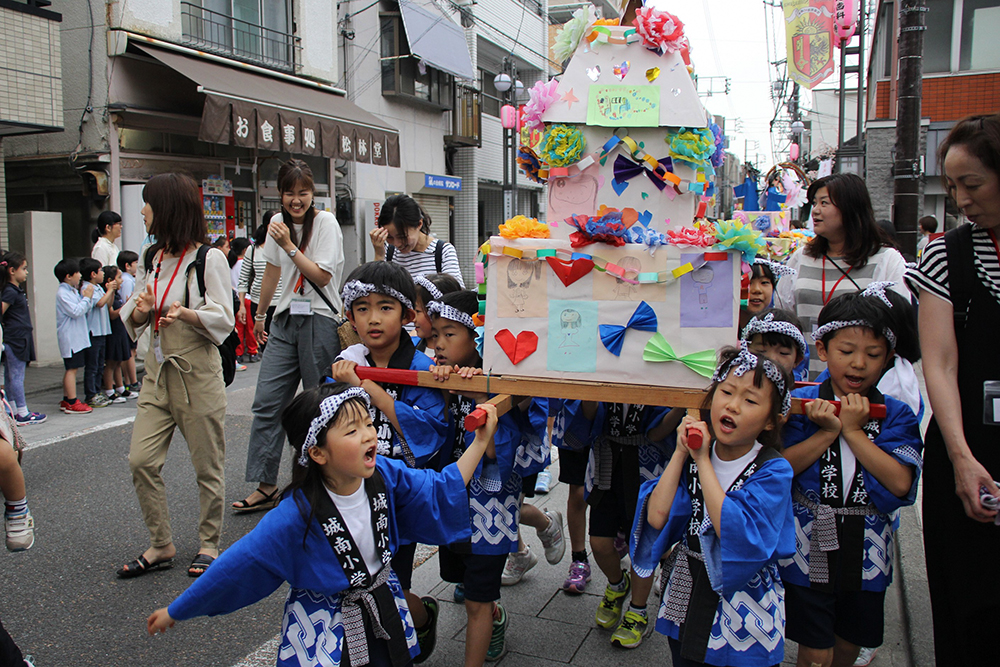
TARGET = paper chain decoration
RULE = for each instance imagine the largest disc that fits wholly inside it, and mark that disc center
(602, 35)
(569, 259)
(658, 350)
(613, 335)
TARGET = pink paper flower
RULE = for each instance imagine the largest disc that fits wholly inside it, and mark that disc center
(660, 30)
(541, 96)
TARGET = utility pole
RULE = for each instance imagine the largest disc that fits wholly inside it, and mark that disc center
(906, 193)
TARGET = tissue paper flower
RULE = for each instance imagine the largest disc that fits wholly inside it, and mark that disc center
(572, 32)
(540, 97)
(695, 145)
(737, 235)
(563, 146)
(529, 164)
(659, 30)
(719, 156)
(523, 227)
(688, 236)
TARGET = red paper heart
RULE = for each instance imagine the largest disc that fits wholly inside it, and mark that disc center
(570, 272)
(517, 349)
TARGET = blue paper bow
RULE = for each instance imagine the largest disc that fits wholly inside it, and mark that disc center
(626, 169)
(613, 335)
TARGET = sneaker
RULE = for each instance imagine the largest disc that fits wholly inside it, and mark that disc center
(458, 595)
(621, 545)
(78, 407)
(517, 565)
(241, 367)
(634, 627)
(543, 482)
(254, 358)
(610, 609)
(427, 635)
(579, 576)
(135, 388)
(29, 661)
(99, 401)
(498, 647)
(20, 531)
(127, 394)
(30, 418)
(116, 398)
(865, 657)
(552, 538)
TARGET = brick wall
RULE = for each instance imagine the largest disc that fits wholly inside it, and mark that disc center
(947, 98)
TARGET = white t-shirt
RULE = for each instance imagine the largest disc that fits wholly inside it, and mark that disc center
(728, 471)
(105, 252)
(326, 248)
(357, 513)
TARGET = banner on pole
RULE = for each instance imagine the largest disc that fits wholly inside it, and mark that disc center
(809, 40)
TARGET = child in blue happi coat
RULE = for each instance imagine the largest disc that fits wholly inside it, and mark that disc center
(852, 472)
(429, 288)
(346, 511)
(410, 421)
(764, 277)
(777, 334)
(727, 507)
(493, 494)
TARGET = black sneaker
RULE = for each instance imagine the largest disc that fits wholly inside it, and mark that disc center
(427, 635)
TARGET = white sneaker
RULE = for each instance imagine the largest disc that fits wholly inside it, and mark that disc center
(116, 398)
(20, 531)
(552, 538)
(865, 657)
(517, 565)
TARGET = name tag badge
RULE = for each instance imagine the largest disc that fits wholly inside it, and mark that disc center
(157, 350)
(991, 403)
(301, 307)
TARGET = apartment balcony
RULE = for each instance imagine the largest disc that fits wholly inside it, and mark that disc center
(466, 119)
(223, 35)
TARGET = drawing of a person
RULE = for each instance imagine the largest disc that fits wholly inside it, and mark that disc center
(625, 291)
(703, 278)
(569, 325)
(519, 274)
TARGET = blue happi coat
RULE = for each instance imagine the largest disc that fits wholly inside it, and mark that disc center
(900, 438)
(757, 528)
(424, 506)
(532, 455)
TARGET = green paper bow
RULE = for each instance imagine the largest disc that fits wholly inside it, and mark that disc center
(658, 350)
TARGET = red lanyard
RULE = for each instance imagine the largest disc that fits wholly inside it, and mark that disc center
(996, 245)
(826, 297)
(157, 311)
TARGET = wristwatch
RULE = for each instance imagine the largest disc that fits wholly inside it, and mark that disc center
(293, 252)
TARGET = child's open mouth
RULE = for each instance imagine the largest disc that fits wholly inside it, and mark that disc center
(374, 333)
(727, 425)
(854, 381)
(370, 456)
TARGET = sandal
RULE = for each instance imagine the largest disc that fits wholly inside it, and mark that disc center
(269, 501)
(141, 566)
(199, 565)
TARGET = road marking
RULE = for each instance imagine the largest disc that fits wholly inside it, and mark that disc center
(75, 434)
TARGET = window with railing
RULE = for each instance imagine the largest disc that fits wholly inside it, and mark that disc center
(466, 118)
(492, 98)
(404, 75)
(254, 31)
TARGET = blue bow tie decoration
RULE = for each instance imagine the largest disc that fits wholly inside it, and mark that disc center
(625, 169)
(613, 335)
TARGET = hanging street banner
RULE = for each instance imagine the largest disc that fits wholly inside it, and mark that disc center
(809, 40)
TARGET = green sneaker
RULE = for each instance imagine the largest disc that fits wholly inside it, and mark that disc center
(610, 609)
(427, 635)
(634, 627)
(498, 646)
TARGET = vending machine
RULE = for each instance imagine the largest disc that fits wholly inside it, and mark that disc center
(220, 207)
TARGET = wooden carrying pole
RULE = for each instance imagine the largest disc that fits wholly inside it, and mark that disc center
(506, 387)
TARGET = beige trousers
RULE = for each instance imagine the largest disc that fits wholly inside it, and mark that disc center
(186, 392)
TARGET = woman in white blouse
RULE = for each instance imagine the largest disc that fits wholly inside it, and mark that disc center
(305, 252)
(104, 235)
(183, 387)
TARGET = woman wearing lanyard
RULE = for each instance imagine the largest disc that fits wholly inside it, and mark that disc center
(183, 385)
(306, 252)
(848, 252)
(959, 284)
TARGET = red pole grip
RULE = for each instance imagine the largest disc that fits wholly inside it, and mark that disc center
(387, 375)
(875, 410)
(475, 419)
(694, 438)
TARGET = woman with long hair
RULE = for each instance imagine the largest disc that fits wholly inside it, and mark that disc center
(184, 387)
(848, 252)
(403, 235)
(305, 250)
(104, 235)
(958, 281)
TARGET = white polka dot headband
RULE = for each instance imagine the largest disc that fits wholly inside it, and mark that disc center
(328, 408)
(450, 313)
(777, 269)
(747, 361)
(356, 289)
(431, 288)
(768, 324)
(837, 325)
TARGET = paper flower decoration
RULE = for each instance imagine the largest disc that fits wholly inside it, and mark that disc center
(613, 335)
(523, 227)
(737, 235)
(563, 146)
(541, 96)
(530, 165)
(659, 30)
(648, 237)
(658, 350)
(610, 227)
(572, 32)
(719, 156)
(695, 145)
(699, 238)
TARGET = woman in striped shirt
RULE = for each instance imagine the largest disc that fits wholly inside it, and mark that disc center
(959, 283)
(403, 235)
(849, 252)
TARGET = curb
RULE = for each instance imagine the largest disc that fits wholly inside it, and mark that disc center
(56, 385)
(916, 597)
